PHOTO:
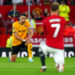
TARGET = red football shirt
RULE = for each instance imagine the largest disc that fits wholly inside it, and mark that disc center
(54, 31)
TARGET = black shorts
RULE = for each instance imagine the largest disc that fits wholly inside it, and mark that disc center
(16, 49)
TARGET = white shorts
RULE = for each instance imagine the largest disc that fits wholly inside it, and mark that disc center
(58, 53)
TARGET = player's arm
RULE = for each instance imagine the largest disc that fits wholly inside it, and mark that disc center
(15, 32)
(16, 36)
(30, 33)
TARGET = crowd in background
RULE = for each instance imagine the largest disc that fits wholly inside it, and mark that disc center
(33, 2)
(39, 14)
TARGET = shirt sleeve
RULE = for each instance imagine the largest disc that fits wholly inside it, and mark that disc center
(28, 25)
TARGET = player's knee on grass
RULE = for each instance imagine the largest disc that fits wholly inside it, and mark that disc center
(60, 67)
(13, 58)
(59, 60)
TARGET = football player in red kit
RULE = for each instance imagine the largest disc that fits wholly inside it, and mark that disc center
(54, 33)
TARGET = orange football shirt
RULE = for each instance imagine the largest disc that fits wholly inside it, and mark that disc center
(21, 30)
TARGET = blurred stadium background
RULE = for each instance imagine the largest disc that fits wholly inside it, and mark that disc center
(36, 10)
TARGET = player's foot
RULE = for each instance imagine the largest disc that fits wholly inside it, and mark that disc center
(60, 68)
(43, 70)
(30, 60)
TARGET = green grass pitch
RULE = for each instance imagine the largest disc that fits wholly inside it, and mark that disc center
(23, 67)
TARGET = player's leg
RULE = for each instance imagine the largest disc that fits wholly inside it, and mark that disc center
(42, 53)
(42, 58)
(13, 58)
(59, 60)
(14, 52)
(29, 48)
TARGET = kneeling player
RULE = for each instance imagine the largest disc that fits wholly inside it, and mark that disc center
(19, 36)
(54, 31)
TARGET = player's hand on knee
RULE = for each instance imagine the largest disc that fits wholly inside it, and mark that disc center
(28, 41)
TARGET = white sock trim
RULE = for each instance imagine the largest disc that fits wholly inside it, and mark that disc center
(43, 67)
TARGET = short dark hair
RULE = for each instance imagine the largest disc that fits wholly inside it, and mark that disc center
(23, 14)
(55, 6)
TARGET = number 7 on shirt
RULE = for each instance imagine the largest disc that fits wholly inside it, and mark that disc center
(57, 26)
